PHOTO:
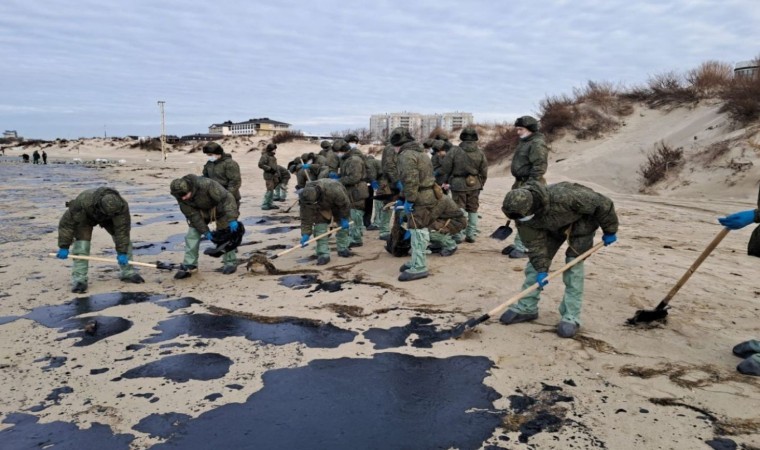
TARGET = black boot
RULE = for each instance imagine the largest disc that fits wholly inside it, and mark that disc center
(79, 288)
(185, 272)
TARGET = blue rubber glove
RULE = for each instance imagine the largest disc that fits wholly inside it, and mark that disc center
(63, 253)
(541, 279)
(305, 166)
(408, 207)
(407, 234)
(375, 185)
(609, 239)
(399, 205)
(399, 185)
(333, 176)
(233, 225)
(122, 259)
(207, 235)
(344, 223)
(738, 220)
(304, 239)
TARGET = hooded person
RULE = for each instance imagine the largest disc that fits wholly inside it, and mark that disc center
(104, 207)
(464, 171)
(268, 163)
(529, 163)
(202, 201)
(447, 219)
(323, 202)
(331, 159)
(353, 175)
(388, 186)
(416, 184)
(281, 190)
(312, 167)
(221, 168)
(438, 153)
(546, 217)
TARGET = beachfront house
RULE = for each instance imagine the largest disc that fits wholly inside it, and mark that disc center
(264, 127)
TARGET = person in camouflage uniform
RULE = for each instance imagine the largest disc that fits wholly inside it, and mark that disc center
(268, 163)
(203, 200)
(464, 171)
(546, 218)
(311, 168)
(438, 150)
(375, 171)
(415, 172)
(748, 350)
(529, 163)
(324, 201)
(105, 207)
(281, 190)
(448, 219)
(389, 182)
(331, 159)
(222, 169)
(352, 174)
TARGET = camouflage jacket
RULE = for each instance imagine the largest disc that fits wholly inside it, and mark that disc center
(466, 160)
(331, 159)
(226, 172)
(531, 159)
(210, 201)
(374, 169)
(84, 212)
(389, 165)
(268, 163)
(416, 173)
(559, 206)
(353, 173)
(334, 204)
(283, 174)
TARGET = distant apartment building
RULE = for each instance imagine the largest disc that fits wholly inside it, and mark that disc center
(421, 125)
(264, 127)
(10, 134)
(747, 68)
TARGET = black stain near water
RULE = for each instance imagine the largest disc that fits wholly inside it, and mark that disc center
(278, 230)
(266, 220)
(54, 397)
(387, 401)
(27, 433)
(99, 371)
(182, 368)
(426, 332)
(278, 331)
(180, 303)
(54, 362)
(297, 281)
(161, 425)
(213, 397)
(107, 326)
(235, 387)
(722, 444)
(543, 421)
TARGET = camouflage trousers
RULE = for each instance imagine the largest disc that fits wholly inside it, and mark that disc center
(80, 267)
(192, 246)
(570, 307)
(323, 245)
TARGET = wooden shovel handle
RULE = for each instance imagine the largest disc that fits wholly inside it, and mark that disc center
(314, 239)
(705, 253)
(112, 261)
(499, 309)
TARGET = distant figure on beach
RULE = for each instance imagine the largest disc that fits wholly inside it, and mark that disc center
(36, 156)
(26, 157)
(44, 157)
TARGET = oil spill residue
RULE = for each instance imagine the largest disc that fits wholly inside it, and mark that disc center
(7, 319)
(298, 281)
(161, 425)
(181, 368)
(396, 336)
(278, 230)
(27, 433)
(54, 397)
(388, 401)
(721, 444)
(277, 331)
(54, 362)
(139, 221)
(106, 327)
(266, 220)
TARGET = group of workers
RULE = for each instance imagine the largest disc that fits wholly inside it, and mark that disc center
(430, 191)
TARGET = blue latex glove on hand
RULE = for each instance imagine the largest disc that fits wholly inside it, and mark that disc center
(609, 239)
(408, 207)
(541, 279)
(375, 185)
(738, 220)
(399, 185)
(304, 239)
(234, 225)
(333, 176)
(407, 234)
(207, 235)
(344, 224)
(63, 253)
(122, 259)
(399, 205)
(305, 166)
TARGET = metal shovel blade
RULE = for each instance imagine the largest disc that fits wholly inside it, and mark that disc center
(502, 232)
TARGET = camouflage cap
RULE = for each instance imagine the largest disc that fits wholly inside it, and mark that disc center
(427, 143)
(271, 147)
(306, 156)
(517, 203)
(310, 194)
(325, 144)
(400, 136)
(179, 187)
(340, 145)
(351, 138)
(439, 145)
(527, 122)
(468, 134)
(441, 137)
(111, 204)
(213, 148)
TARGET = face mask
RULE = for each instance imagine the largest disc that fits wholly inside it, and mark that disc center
(341, 154)
(212, 158)
(352, 145)
(526, 218)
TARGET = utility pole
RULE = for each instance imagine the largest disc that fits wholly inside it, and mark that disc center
(163, 129)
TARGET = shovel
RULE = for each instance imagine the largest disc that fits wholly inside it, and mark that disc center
(314, 239)
(661, 311)
(297, 200)
(472, 323)
(158, 265)
(502, 232)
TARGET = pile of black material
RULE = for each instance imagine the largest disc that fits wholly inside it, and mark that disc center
(225, 240)
(398, 244)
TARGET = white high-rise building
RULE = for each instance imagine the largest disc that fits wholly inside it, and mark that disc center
(420, 125)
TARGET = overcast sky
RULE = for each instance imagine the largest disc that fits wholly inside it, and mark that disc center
(72, 68)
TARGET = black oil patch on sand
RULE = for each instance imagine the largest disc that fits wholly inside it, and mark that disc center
(285, 330)
(396, 336)
(388, 401)
(27, 433)
(181, 368)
